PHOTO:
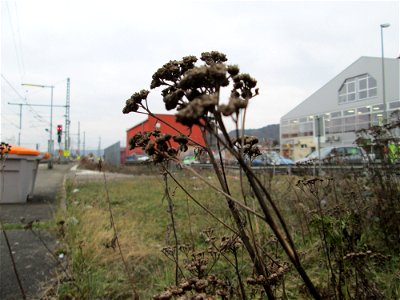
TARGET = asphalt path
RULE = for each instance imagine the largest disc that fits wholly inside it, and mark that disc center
(33, 250)
(34, 262)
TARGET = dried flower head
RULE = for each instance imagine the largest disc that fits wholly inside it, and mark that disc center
(187, 63)
(207, 77)
(4, 149)
(168, 72)
(213, 57)
(140, 139)
(172, 97)
(182, 140)
(245, 140)
(197, 109)
(134, 102)
(172, 71)
(150, 148)
(236, 103)
(244, 85)
(166, 295)
(233, 70)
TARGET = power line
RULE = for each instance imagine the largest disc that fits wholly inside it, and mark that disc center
(11, 86)
(38, 116)
(7, 93)
(9, 122)
(19, 39)
(14, 41)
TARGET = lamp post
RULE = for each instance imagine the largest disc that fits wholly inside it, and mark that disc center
(385, 117)
(50, 143)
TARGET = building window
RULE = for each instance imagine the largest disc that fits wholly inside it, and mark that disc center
(394, 105)
(333, 125)
(363, 121)
(349, 112)
(296, 128)
(377, 107)
(363, 110)
(357, 88)
(303, 120)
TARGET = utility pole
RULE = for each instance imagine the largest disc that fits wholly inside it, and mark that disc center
(385, 115)
(84, 144)
(67, 145)
(20, 115)
(79, 138)
(99, 148)
(318, 127)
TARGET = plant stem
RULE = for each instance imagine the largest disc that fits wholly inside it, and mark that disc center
(131, 281)
(171, 213)
(13, 264)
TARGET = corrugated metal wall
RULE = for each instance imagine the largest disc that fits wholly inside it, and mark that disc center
(112, 154)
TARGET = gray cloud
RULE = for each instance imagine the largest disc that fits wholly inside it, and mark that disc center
(111, 49)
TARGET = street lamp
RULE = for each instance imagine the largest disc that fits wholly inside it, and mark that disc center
(50, 143)
(386, 25)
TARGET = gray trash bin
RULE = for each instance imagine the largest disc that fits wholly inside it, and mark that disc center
(18, 174)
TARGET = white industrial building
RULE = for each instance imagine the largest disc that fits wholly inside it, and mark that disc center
(353, 100)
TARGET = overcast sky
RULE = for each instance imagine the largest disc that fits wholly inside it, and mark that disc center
(110, 49)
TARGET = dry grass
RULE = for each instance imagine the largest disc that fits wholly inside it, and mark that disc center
(144, 227)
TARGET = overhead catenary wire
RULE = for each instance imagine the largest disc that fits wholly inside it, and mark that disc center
(36, 123)
(36, 127)
(20, 41)
(31, 109)
(8, 121)
(17, 52)
(12, 87)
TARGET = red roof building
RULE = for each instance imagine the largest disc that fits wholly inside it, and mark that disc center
(151, 123)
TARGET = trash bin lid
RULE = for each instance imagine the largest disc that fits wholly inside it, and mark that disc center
(18, 150)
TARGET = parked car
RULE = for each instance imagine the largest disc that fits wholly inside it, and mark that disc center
(142, 157)
(271, 159)
(137, 158)
(190, 159)
(336, 155)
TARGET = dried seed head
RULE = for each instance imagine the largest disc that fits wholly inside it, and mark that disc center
(236, 103)
(201, 285)
(150, 148)
(163, 138)
(166, 295)
(181, 139)
(226, 109)
(233, 70)
(185, 285)
(201, 296)
(176, 291)
(133, 103)
(168, 72)
(213, 57)
(172, 99)
(172, 152)
(209, 77)
(197, 109)
(187, 63)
